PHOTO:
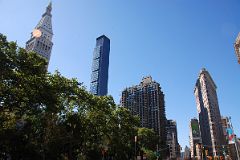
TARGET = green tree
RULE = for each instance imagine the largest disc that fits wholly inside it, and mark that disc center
(147, 138)
(150, 154)
(122, 129)
(47, 116)
(147, 142)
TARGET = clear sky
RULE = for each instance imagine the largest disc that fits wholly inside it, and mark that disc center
(171, 40)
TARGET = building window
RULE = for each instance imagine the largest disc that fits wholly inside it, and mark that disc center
(94, 87)
(94, 76)
(96, 53)
(95, 65)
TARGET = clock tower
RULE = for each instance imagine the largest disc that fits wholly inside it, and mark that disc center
(41, 36)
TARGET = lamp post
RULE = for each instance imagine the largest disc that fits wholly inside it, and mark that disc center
(135, 148)
(202, 152)
(157, 153)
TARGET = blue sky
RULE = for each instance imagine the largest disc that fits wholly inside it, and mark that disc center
(171, 40)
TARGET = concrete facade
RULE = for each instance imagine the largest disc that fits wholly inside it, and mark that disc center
(172, 139)
(209, 114)
(146, 100)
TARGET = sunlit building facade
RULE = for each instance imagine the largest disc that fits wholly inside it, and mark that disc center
(41, 37)
(209, 113)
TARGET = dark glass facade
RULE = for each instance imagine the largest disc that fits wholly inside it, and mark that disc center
(100, 64)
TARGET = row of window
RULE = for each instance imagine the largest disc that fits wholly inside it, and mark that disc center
(94, 87)
(95, 65)
(42, 46)
(30, 46)
(97, 52)
(94, 76)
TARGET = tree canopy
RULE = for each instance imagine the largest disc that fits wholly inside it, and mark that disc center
(48, 116)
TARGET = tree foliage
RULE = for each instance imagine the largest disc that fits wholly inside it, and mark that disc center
(148, 141)
(147, 138)
(47, 116)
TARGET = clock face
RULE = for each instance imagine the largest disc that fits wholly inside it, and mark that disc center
(36, 33)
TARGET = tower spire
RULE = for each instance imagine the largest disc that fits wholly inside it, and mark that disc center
(48, 10)
(41, 39)
(46, 22)
(50, 4)
(49, 7)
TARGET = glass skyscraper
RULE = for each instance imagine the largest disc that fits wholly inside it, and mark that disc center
(99, 77)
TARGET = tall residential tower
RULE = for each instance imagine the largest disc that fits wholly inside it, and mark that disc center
(147, 101)
(99, 76)
(41, 37)
(209, 113)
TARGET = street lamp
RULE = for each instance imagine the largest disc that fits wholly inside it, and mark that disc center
(135, 148)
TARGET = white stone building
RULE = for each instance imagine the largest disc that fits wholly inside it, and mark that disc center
(41, 37)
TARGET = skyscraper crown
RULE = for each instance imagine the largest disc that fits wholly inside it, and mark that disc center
(204, 72)
(46, 21)
(41, 36)
(147, 80)
(48, 9)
